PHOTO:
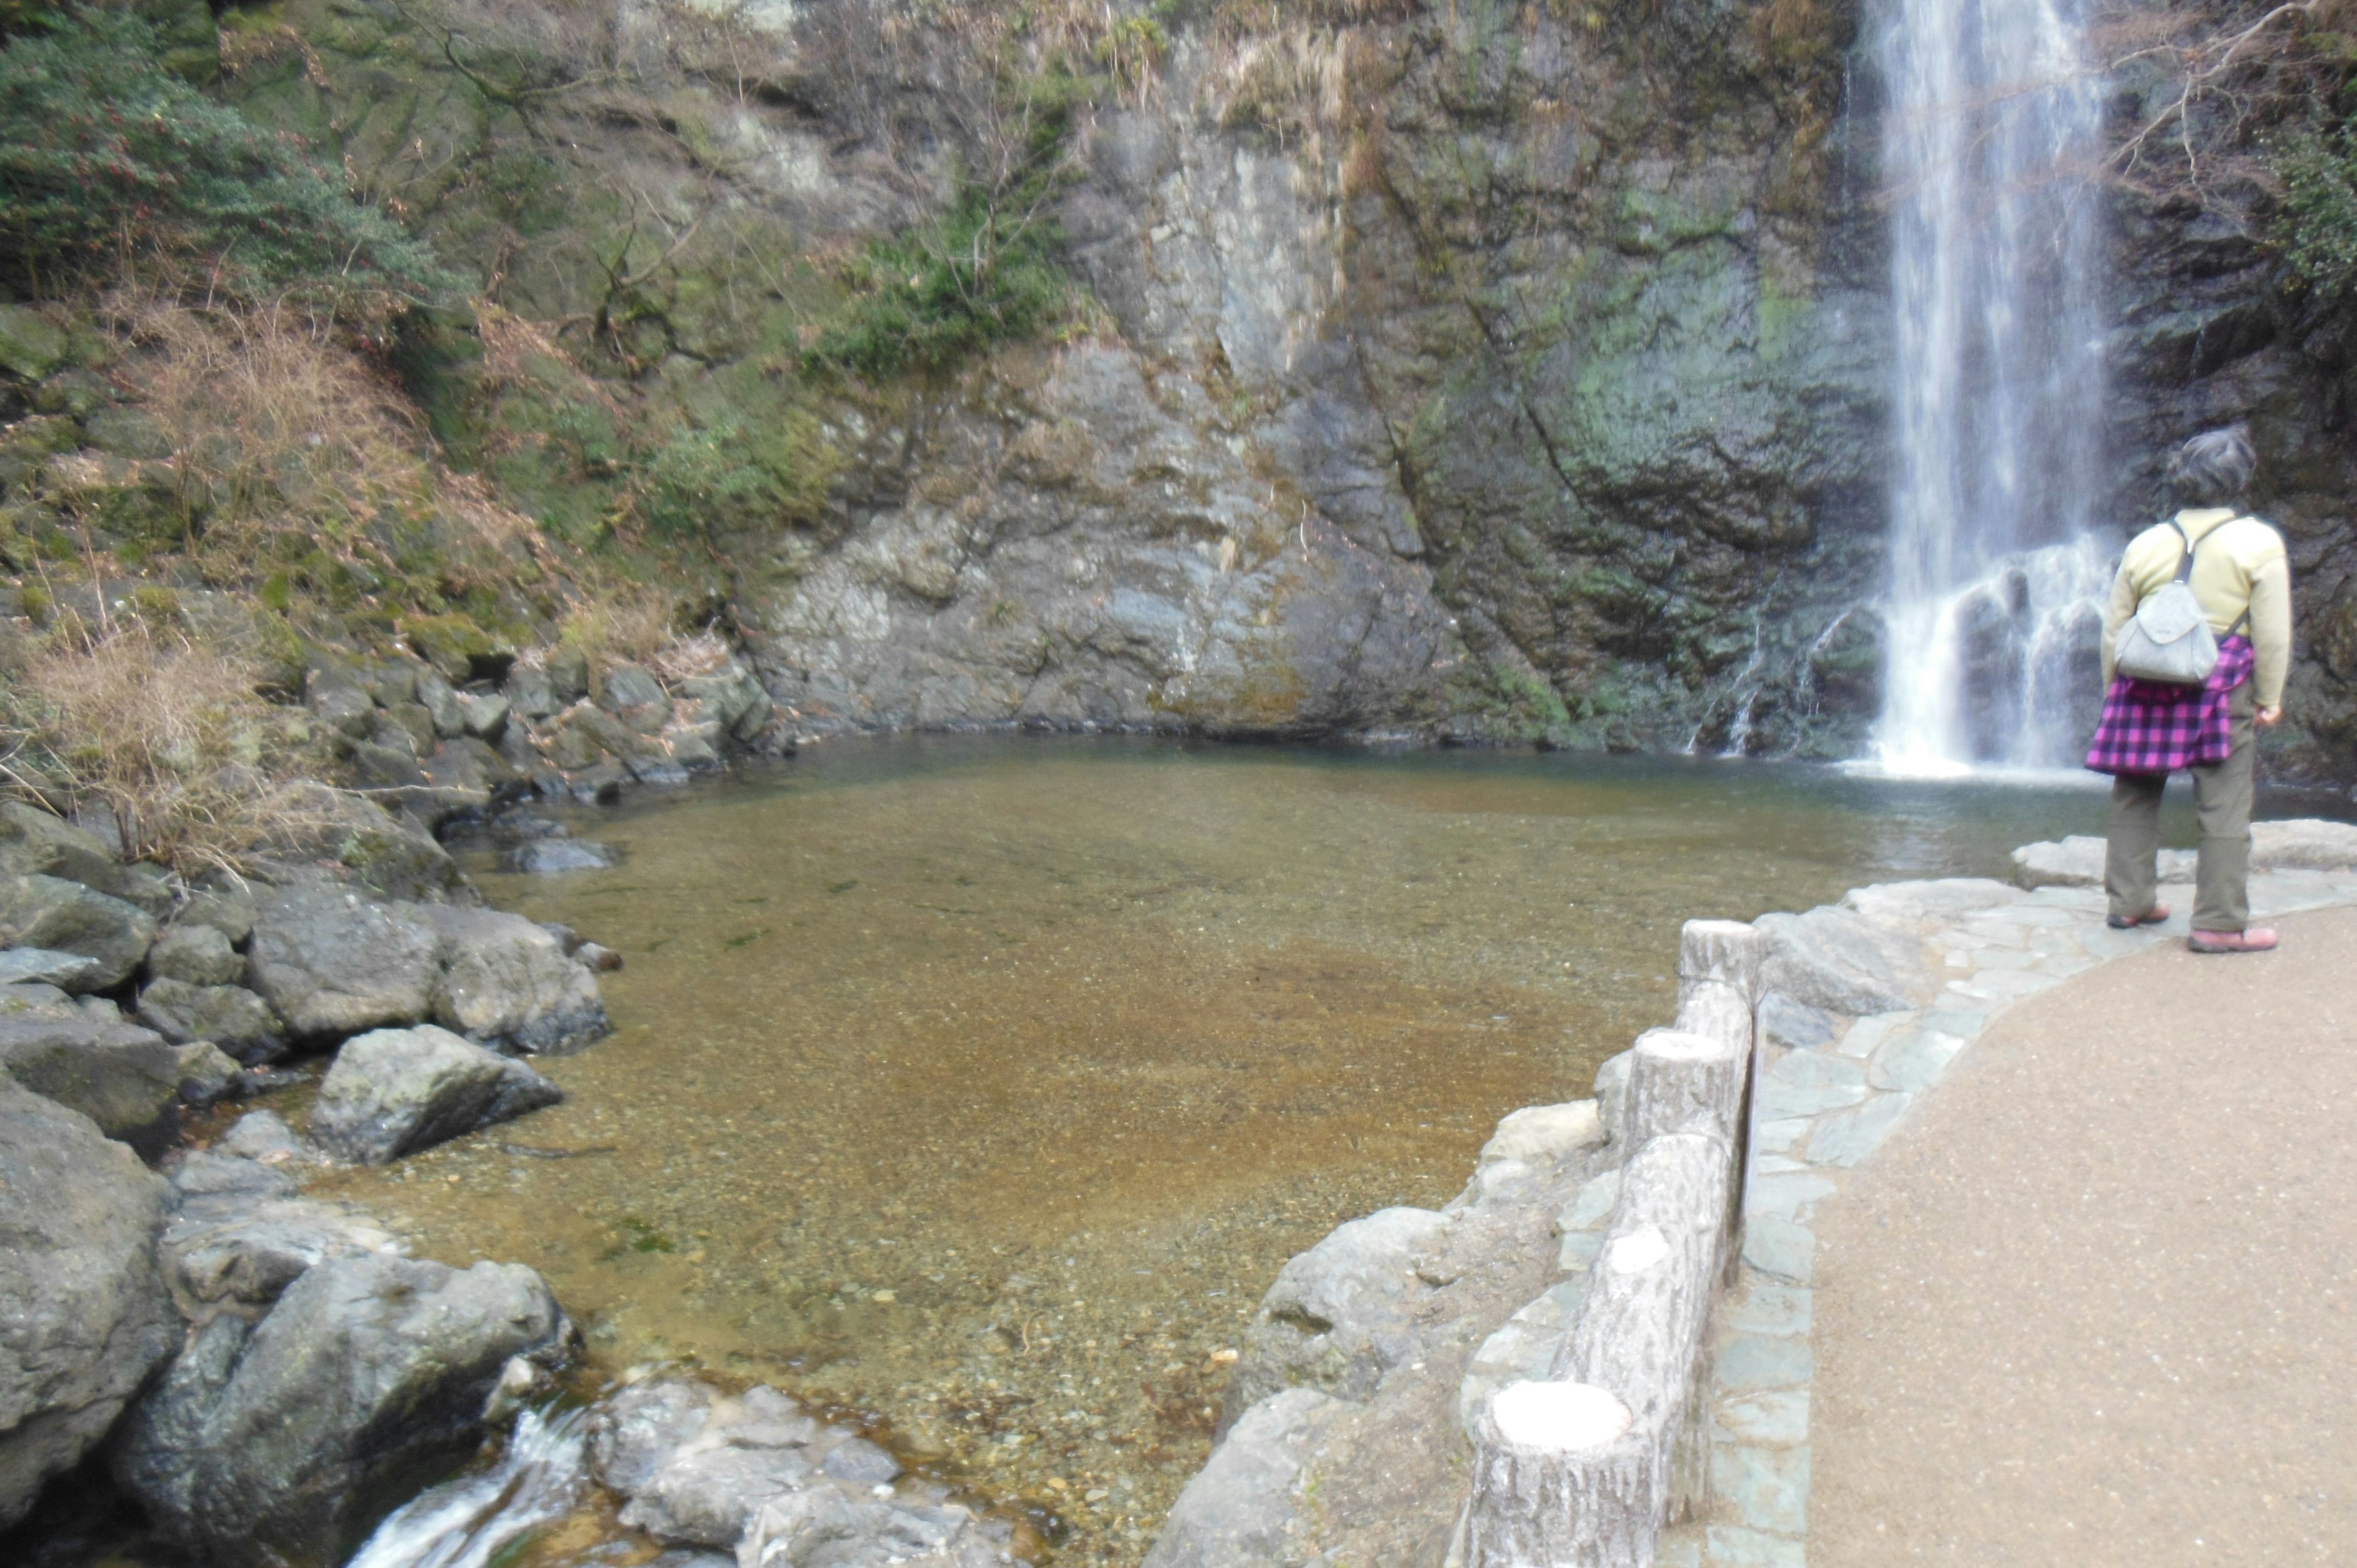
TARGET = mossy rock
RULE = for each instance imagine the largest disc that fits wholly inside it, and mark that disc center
(31, 345)
(457, 647)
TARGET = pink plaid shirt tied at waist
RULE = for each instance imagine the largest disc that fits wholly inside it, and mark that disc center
(2152, 727)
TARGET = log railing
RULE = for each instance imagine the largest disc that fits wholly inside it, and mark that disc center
(1584, 1469)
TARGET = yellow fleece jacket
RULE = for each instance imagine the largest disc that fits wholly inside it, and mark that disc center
(2240, 567)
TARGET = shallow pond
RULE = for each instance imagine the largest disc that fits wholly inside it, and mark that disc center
(983, 1084)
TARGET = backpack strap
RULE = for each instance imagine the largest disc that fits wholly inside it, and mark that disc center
(2185, 565)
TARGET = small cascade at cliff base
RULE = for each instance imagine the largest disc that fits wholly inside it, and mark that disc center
(1991, 137)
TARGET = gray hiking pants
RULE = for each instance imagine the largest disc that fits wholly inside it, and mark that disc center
(2221, 799)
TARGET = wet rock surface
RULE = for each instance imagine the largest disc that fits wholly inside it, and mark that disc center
(281, 1436)
(83, 1316)
(392, 1091)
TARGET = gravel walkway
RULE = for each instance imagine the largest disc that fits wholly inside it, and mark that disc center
(2095, 1301)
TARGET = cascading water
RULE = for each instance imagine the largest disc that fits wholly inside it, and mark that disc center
(467, 1523)
(1992, 133)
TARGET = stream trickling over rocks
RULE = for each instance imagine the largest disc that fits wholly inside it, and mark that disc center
(979, 1087)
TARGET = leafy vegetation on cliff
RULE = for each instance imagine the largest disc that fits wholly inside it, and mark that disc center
(107, 160)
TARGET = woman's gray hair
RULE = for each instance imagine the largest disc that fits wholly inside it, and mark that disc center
(2214, 467)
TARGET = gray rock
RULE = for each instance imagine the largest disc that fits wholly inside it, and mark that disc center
(34, 843)
(1337, 1318)
(531, 694)
(229, 910)
(628, 692)
(230, 1016)
(2306, 844)
(1235, 1510)
(820, 1527)
(1545, 1135)
(2078, 862)
(483, 715)
(551, 857)
(263, 1135)
(124, 1077)
(1841, 962)
(197, 954)
(207, 1074)
(860, 1462)
(41, 966)
(696, 1463)
(33, 999)
(394, 1091)
(503, 979)
(634, 1431)
(48, 912)
(731, 699)
(443, 709)
(242, 1236)
(1612, 1092)
(331, 963)
(277, 1442)
(1794, 1026)
(86, 1317)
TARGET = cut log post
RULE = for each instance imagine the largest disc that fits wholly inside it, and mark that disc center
(1678, 1081)
(1593, 1492)
(1715, 1008)
(1727, 951)
(1559, 1478)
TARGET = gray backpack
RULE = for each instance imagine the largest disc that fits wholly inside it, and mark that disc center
(2168, 639)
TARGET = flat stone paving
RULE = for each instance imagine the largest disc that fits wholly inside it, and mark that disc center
(2093, 1300)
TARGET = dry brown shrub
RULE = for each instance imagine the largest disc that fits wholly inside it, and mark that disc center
(685, 658)
(619, 626)
(173, 739)
(276, 421)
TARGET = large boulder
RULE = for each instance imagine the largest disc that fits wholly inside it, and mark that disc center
(331, 961)
(42, 911)
(197, 954)
(2306, 844)
(504, 979)
(283, 1441)
(2077, 861)
(1234, 1512)
(394, 1091)
(34, 843)
(124, 1077)
(230, 1016)
(1337, 1318)
(1841, 962)
(83, 1315)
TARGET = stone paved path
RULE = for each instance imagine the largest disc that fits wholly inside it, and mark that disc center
(2095, 1301)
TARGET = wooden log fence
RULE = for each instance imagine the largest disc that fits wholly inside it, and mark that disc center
(1584, 1469)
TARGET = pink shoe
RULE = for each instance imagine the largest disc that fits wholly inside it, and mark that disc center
(2258, 938)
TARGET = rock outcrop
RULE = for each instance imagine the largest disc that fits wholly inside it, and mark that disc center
(86, 1317)
(282, 1439)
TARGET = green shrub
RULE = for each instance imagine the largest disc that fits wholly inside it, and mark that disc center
(985, 271)
(106, 156)
(2316, 220)
(700, 476)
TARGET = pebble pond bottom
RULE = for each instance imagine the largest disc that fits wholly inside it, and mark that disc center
(981, 1086)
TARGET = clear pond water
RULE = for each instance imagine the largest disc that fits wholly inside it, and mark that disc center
(981, 1085)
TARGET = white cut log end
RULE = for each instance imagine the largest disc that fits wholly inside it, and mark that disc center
(1637, 1251)
(1679, 1046)
(1564, 1418)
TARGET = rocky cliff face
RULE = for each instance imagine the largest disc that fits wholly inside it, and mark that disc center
(1475, 372)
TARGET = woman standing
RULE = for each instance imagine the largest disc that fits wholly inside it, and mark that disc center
(2242, 579)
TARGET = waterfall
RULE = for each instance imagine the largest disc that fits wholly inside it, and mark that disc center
(1991, 132)
(467, 1523)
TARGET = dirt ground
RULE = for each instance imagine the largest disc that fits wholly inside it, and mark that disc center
(2097, 1303)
